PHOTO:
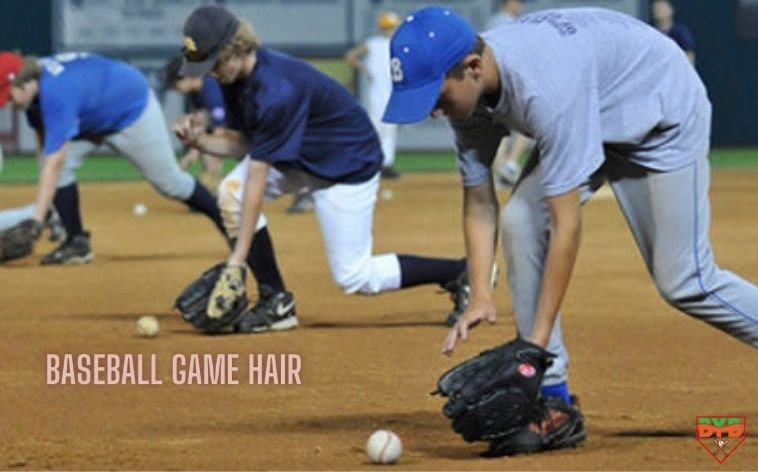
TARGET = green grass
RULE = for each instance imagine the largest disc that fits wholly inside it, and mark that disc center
(338, 69)
(23, 169)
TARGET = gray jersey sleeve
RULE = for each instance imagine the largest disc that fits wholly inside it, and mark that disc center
(476, 141)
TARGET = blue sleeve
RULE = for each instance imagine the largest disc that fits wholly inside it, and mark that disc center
(59, 117)
(279, 132)
(213, 102)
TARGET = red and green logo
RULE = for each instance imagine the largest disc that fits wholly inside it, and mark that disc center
(721, 435)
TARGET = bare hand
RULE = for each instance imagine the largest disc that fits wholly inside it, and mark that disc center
(189, 158)
(474, 314)
(189, 129)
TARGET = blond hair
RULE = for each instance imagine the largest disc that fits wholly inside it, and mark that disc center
(243, 42)
(30, 70)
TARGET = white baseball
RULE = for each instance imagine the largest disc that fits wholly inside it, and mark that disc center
(387, 194)
(140, 209)
(384, 447)
(148, 326)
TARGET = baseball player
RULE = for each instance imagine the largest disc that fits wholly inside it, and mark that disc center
(204, 94)
(606, 97)
(75, 101)
(663, 12)
(506, 165)
(297, 129)
(371, 59)
(508, 12)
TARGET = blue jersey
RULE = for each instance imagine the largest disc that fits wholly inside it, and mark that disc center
(85, 96)
(211, 99)
(297, 117)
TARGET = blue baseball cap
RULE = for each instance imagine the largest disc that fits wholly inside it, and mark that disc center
(428, 43)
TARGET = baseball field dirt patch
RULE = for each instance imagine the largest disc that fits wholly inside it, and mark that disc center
(643, 371)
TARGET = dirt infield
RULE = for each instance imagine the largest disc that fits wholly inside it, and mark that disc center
(643, 371)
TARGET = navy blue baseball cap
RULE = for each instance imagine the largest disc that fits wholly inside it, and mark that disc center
(428, 43)
(207, 30)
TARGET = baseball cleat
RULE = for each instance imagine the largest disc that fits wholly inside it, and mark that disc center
(557, 425)
(389, 173)
(460, 293)
(55, 225)
(275, 311)
(74, 250)
(303, 203)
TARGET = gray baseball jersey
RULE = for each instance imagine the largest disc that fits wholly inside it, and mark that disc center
(607, 98)
(632, 93)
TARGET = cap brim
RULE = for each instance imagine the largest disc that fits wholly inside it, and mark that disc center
(413, 105)
(200, 68)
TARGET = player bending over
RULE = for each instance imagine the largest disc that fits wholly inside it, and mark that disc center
(74, 102)
(606, 97)
(298, 130)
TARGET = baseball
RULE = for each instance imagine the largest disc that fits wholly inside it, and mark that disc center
(148, 326)
(387, 194)
(384, 447)
(140, 209)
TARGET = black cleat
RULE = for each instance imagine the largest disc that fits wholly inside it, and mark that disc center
(275, 311)
(74, 250)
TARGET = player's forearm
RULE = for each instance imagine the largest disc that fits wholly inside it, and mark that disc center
(354, 55)
(189, 157)
(252, 204)
(48, 183)
(561, 257)
(229, 143)
(480, 230)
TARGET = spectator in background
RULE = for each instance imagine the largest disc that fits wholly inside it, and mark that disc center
(507, 168)
(509, 11)
(663, 19)
(204, 94)
(371, 59)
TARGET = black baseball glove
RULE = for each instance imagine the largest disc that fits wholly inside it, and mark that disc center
(495, 394)
(216, 301)
(18, 241)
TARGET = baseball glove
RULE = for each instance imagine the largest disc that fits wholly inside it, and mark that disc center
(494, 394)
(561, 426)
(214, 302)
(18, 241)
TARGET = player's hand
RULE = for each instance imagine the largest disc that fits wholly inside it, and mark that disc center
(476, 312)
(188, 129)
(189, 158)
